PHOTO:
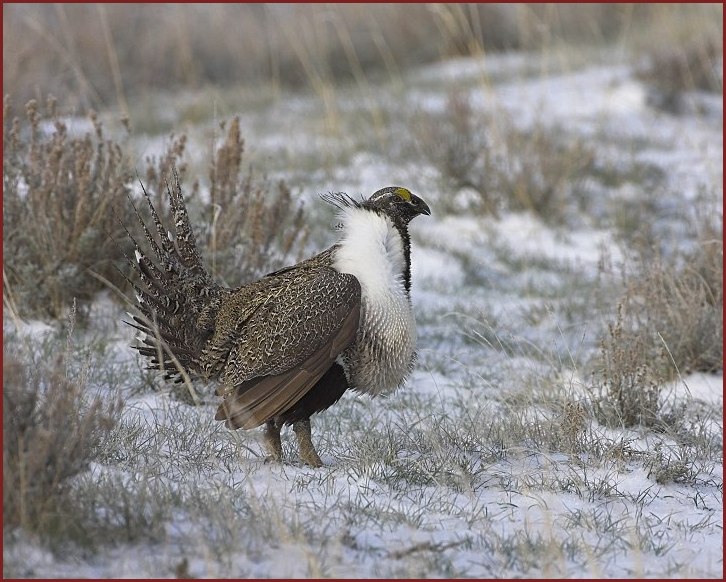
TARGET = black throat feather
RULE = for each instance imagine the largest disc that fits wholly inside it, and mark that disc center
(402, 229)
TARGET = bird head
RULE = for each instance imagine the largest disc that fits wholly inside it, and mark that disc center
(397, 202)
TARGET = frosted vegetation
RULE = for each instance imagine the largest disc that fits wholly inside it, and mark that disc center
(565, 417)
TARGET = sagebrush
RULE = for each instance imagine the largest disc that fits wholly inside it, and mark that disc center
(668, 324)
(251, 226)
(52, 430)
(67, 194)
(506, 168)
(60, 194)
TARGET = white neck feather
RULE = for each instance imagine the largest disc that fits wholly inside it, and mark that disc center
(371, 249)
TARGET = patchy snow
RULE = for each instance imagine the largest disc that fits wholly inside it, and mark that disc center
(586, 96)
(527, 235)
(707, 388)
(436, 268)
(467, 470)
(32, 329)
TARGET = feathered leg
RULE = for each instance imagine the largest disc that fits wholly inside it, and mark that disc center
(273, 444)
(305, 443)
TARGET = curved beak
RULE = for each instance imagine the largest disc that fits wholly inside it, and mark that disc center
(420, 206)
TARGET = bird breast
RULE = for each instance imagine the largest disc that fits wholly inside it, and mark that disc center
(382, 354)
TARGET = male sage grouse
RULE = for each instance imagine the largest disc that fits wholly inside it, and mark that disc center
(290, 344)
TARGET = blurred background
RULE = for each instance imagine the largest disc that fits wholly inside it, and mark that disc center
(568, 286)
(112, 55)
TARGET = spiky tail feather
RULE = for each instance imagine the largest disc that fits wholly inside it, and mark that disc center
(177, 298)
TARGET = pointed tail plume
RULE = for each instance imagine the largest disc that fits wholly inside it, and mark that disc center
(177, 298)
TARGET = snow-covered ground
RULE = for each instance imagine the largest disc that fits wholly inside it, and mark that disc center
(469, 470)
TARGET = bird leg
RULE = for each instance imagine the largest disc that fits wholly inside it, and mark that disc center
(305, 443)
(273, 444)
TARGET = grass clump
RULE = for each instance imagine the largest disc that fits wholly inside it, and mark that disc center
(669, 323)
(507, 168)
(59, 190)
(685, 312)
(666, 468)
(627, 386)
(682, 305)
(52, 430)
(673, 70)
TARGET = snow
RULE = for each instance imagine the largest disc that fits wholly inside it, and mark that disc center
(32, 329)
(436, 268)
(389, 502)
(527, 235)
(707, 388)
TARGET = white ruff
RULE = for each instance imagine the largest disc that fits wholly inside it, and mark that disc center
(372, 249)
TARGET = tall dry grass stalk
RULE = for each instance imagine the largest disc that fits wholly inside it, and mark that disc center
(316, 46)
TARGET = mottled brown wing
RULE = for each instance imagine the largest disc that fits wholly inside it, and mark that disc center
(308, 317)
(261, 399)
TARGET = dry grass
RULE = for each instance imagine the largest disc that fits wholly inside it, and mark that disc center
(680, 302)
(626, 386)
(93, 53)
(51, 432)
(537, 170)
(668, 324)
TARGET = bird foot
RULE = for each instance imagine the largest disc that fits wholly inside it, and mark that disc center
(310, 457)
(308, 454)
(273, 444)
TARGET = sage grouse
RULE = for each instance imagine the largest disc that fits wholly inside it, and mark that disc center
(290, 344)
